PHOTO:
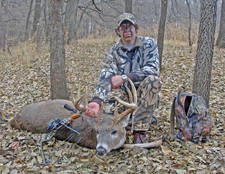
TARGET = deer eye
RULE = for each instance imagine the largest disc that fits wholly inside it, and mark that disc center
(97, 132)
(114, 132)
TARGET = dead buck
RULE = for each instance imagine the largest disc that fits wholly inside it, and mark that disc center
(103, 132)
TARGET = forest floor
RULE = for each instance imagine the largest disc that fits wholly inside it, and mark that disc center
(24, 78)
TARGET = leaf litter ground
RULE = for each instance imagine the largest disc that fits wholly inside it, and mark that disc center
(26, 81)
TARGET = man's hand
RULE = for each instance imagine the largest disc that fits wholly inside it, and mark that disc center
(116, 81)
(93, 109)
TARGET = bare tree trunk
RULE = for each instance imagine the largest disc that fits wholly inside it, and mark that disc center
(38, 39)
(47, 28)
(161, 29)
(37, 16)
(128, 6)
(3, 26)
(81, 16)
(57, 51)
(70, 5)
(220, 42)
(72, 20)
(3, 42)
(190, 23)
(27, 21)
(156, 13)
(2, 33)
(203, 64)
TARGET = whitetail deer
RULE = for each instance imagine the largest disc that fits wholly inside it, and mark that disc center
(103, 132)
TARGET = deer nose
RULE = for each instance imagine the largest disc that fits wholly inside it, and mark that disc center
(101, 150)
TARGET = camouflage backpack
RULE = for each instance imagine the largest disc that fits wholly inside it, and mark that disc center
(192, 117)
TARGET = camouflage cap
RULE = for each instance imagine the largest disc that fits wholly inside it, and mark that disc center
(126, 16)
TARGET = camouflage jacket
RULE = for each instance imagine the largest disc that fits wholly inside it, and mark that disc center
(138, 63)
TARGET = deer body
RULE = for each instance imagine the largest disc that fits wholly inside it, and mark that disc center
(104, 135)
(35, 118)
(105, 132)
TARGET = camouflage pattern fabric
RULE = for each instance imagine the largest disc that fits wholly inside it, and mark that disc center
(110, 102)
(137, 63)
(141, 64)
(147, 94)
(148, 99)
(192, 117)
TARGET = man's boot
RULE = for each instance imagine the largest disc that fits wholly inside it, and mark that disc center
(140, 137)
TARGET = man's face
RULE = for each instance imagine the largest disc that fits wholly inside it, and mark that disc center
(127, 32)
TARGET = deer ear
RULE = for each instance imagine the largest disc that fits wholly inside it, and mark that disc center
(125, 120)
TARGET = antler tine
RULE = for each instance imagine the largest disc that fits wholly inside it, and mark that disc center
(116, 109)
(78, 93)
(130, 96)
(78, 103)
(131, 106)
(134, 103)
(134, 91)
(86, 98)
(118, 117)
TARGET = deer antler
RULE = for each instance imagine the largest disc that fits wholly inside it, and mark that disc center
(82, 105)
(78, 104)
(131, 106)
(155, 143)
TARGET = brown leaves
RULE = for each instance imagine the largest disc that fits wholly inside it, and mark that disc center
(23, 83)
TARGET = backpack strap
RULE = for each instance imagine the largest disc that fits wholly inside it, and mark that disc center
(176, 105)
(181, 108)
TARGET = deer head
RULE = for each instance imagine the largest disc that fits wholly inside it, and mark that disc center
(110, 129)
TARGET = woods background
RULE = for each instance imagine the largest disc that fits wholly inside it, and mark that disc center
(35, 35)
(24, 19)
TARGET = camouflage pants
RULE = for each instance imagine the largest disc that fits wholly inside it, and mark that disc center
(147, 93)
(148, 97)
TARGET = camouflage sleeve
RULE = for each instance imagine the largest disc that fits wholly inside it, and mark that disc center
(109, 69)
(151, 61)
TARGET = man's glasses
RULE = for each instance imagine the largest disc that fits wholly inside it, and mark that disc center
(126, 27)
